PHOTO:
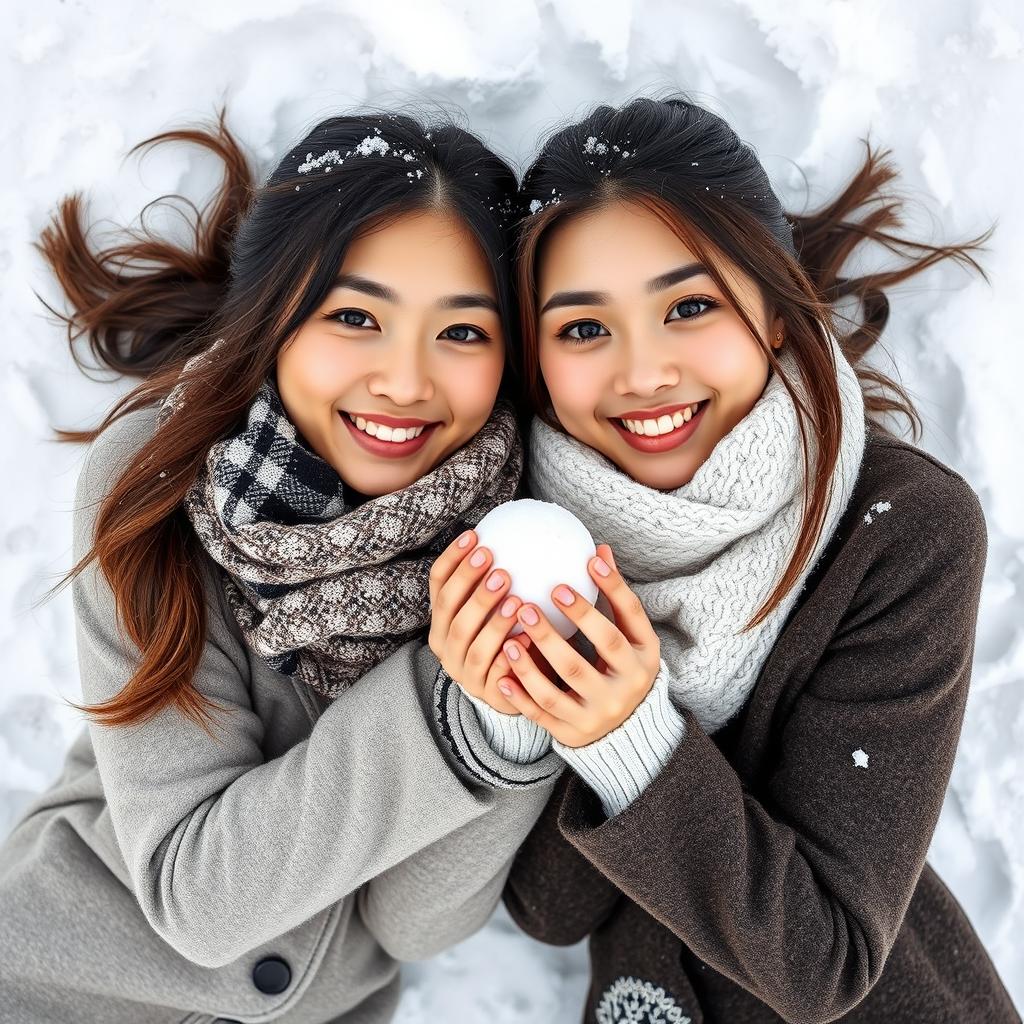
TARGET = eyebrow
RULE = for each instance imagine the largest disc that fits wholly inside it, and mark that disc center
(662, 281)
(467, 300)
(656, 284)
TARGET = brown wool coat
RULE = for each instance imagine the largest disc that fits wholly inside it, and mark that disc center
(764, 875)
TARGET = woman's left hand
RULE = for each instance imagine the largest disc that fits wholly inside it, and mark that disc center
(599, 697)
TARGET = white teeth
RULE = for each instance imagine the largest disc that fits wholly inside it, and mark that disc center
(663, 424)
(395, 435)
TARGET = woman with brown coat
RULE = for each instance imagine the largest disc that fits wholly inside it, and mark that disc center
(762, 714)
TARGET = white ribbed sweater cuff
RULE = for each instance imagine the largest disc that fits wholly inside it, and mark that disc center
(620, 765)
(513, 737)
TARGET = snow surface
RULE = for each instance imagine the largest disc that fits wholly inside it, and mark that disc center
(802, 81)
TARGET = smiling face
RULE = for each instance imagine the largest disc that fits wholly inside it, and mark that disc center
(633, 333)
(401, 364)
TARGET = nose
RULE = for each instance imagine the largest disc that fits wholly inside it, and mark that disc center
(403, 375)
(645, 368)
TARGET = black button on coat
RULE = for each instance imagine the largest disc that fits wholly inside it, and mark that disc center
(272, 975)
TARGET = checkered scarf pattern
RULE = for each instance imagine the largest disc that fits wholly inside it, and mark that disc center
(321, 590)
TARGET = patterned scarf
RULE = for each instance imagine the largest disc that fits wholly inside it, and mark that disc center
(702, 558)
(324, 591)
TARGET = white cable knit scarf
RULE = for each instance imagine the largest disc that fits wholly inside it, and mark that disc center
(703, 557)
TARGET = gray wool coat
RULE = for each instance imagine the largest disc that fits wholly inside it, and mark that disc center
(278, 874)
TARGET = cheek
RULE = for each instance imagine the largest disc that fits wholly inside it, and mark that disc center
(471, 384)
(575, 385)
(733, 365)
(314, 369)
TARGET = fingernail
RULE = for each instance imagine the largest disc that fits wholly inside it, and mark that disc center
(601, 566)
(505, 689)
(563, 595)
(478, 558)
(508, 608)
(495, 580)
(529, 616)
(465, 539)
(512, 650)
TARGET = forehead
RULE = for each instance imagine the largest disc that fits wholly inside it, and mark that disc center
(618, 247)
(611, 237)
(434, 248)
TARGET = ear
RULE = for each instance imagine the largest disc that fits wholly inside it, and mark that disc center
(777, 335)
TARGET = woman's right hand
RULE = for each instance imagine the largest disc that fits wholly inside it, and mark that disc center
(464, 634)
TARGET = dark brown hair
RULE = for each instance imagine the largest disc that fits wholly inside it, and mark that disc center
(687, 165)
(261, 260)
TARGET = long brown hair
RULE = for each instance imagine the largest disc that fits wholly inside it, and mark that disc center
(261, 260)
(686, 165)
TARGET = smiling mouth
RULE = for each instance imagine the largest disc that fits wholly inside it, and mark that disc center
(383, 432)
(665, 435)
(658, 426)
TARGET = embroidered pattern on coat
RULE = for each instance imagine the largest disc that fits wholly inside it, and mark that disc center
(638, 1002)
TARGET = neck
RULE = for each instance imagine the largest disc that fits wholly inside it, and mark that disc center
(353, 498)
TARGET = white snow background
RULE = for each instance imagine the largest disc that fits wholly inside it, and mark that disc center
(939, 83)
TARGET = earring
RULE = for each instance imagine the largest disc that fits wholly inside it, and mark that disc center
(778, 338)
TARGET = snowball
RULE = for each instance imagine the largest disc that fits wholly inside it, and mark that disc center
(540, 544)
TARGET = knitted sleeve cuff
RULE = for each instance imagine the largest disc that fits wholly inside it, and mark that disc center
(620, 765)
(462, 736)
(513, 737)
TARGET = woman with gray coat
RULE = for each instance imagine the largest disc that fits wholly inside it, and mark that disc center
(279, 793)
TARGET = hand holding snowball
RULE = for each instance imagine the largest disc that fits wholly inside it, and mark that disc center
(600, 696)
(471, 615)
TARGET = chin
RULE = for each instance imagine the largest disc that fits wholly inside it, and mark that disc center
(665, 478)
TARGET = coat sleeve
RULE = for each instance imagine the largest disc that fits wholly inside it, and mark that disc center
(553, 892)
(797, 892)
(226, 849)
(447, 890)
